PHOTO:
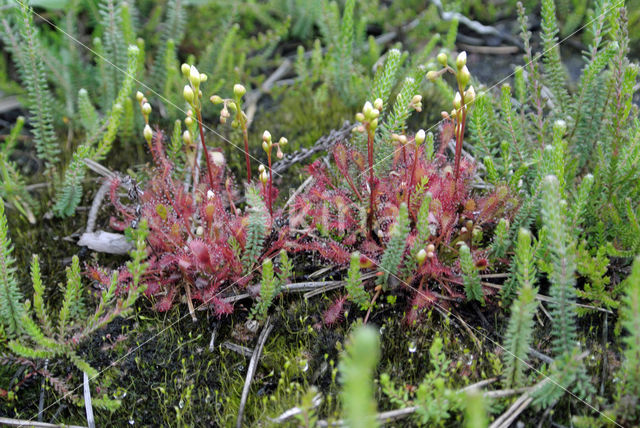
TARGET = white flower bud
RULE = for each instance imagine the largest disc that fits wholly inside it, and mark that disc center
(146, 109)
(216, 99)
(464, 76)
(433, 75)
(367, 108)
(265, 146)
(470, 95)
(420, 137)
(148, 133)
(421, 256)
(239, 90)
(283, 141)
(185, 68)
(457, 101)
(187, 93)
(188, 121)
(442, 59)
(186, 137)
(194, 76)
(360, 117)
(461, 61)
(261, 168)
(378, 104)
(139, 95)
(266, 136)
(203, 77)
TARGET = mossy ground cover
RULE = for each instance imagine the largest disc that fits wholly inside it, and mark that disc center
(167, 370)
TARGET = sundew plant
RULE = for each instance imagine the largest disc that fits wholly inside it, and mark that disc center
(316, 213)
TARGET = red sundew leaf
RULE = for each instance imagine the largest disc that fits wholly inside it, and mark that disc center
(421, 300)
(118, 225)
(200, 251)
(340, 158)
(333, 314)
(184, 263)
(152, 288)
(221, 307)
(166, 302)
(98, 275)
(371, 248)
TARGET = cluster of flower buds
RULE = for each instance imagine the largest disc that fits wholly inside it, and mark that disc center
(229, 104)
(268, 144)
(192, 92)
(186, 135)
(428, 252)
(416, 103)
(369, 115)
(464, 95)
(145, 108)
(264, 177)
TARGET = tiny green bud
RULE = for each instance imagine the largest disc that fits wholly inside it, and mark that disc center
(148, 133)
(373, 124)
(402, 139)
(194, 76)
(461, 61)
(470, 95)
(283, 141)
(203, 77)
(457, 101)
(235, 124)
(185, 68)
(420, 137)
(232, 106)
(374, 114)
(431, 248)
(367, 109)
(265, 146)
(146, 109)
(188, 121)
(378, 104)
(442, 59)
(139, 95)
(239, 90)
(187, 93)
(264, 177)
(266, 136)
(216, 99)
(464, 76)
(261, 168)
(360, 117)
(433, 76)
(421, 257)
(186, 137)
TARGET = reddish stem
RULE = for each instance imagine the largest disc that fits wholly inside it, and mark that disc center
(204, 147)
(370, 158)
(270, 184)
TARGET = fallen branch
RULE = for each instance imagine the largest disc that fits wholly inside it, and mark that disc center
(253, 364)
(91, 423)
